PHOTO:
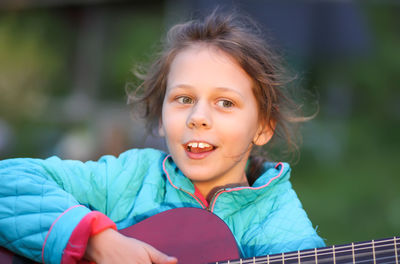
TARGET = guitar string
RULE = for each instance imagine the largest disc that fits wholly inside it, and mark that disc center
(380, 259)
(313, 262)
(323, 261)
(340, 258)
(345, 249)
(338, 250)
(310, 255)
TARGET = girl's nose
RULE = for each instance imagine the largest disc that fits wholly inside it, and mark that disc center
(199, 116)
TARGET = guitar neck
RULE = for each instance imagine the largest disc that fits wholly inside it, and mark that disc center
(383, 251)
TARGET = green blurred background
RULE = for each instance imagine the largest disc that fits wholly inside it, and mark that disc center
(64, 66)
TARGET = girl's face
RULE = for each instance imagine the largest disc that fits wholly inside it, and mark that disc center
(210, 117)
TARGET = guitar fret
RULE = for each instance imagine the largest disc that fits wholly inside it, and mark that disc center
(283, 258)
(298, 256)
(352, 252)
(254, 260)
(316, 256)
(373, 251)
(333, 252)
(395, 249)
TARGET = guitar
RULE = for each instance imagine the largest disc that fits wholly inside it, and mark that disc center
(195, 235)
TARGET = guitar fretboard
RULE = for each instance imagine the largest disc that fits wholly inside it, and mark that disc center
(383, 251)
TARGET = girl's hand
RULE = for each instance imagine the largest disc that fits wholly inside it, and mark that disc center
(109, 246)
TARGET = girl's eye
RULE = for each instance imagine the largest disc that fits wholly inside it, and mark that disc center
(225, 103)
(184, 100)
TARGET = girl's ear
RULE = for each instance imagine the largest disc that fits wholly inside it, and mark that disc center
(161, 132)
(264, 134)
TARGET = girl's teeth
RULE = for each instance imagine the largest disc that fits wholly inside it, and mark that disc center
(200, 145)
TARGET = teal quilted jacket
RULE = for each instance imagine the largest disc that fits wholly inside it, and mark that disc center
(41, 195)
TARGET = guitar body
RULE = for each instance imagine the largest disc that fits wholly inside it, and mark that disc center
(7, 257)
(192, 235)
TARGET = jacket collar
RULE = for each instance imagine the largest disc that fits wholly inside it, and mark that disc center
(273, 173)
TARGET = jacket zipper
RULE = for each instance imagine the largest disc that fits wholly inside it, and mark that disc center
(208, 208)
(194, 196)
(212, 201)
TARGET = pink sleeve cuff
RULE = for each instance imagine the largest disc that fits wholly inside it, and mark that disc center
(92, 224)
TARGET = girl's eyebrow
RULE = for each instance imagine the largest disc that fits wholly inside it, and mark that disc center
(184, 86)
(220, 89)
(226, 89)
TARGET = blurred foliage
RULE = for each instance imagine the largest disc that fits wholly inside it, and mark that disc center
(37, 70)
(29, 52)
(347, 177)
(34, 47)
(130, 46)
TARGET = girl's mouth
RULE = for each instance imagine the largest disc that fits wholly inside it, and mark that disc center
(198, 147)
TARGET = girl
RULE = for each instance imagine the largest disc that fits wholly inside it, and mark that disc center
(214, 94)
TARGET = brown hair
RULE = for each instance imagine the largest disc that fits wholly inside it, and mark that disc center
(239, 37)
